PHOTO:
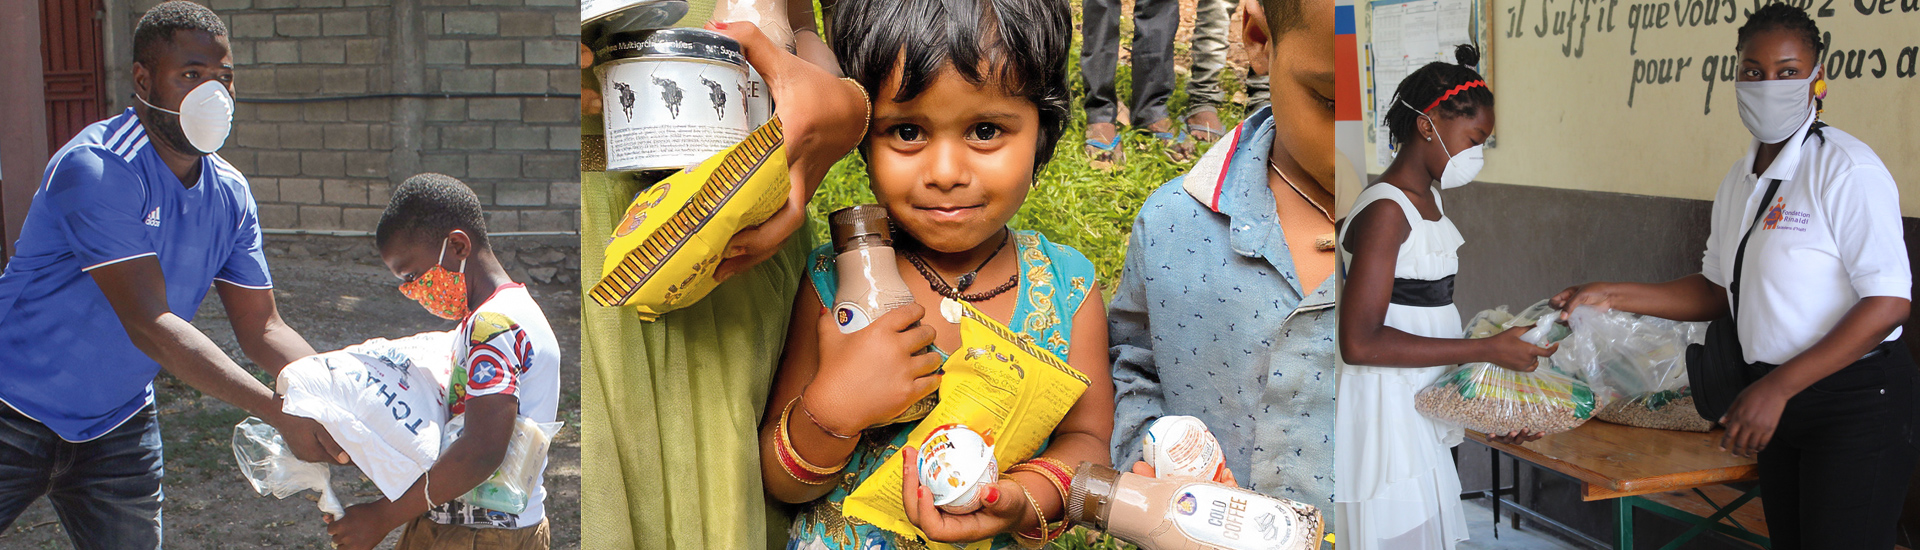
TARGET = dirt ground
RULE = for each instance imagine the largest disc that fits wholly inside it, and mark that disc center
(333, 301)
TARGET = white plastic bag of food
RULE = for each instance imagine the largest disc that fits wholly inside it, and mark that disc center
(1639, 362)
(1486, 398)
(384, 401)
(508, 489)
(270, 467)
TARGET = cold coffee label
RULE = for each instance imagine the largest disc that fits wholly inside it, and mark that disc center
(1226, 518)
(850, 317)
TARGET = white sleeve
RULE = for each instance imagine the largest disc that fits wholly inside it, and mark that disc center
(1710, 261)
(1863, 213)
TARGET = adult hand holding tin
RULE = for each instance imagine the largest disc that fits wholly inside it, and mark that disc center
(823, 118)
(871, 375)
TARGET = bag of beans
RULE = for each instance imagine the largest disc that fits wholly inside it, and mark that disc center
(1639, 364)
(1489, 399)
(663, 251)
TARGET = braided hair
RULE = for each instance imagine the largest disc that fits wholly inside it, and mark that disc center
(1432, 82)
(1782, 17)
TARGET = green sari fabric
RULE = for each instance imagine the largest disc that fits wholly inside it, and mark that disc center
(671, 408)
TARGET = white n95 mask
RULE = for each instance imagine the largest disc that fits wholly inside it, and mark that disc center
(206, 115)
(1773, 110)
(1461, 167)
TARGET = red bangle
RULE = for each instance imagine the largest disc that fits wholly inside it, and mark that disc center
(1055, 470)
(791, 461)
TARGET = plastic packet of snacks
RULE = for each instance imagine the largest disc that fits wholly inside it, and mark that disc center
(663, 252)
(1001, 386)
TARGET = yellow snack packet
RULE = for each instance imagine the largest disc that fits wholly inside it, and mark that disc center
(662, 253)
(1011, 391)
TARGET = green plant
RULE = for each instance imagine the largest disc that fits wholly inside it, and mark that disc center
(1082, 538)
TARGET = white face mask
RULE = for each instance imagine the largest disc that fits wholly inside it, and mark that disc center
(1773, 110)
(206, 115)
(1461, 167)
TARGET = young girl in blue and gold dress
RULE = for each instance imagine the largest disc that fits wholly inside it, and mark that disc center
(968, 102)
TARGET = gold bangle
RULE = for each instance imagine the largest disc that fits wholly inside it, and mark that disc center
(785, 417)
(823, 427)
(1037, 514)
(866, 100)
(1042, 472)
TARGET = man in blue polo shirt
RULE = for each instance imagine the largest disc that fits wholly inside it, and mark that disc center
(134, 220)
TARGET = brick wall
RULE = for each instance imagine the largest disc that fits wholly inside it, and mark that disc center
(321, 161)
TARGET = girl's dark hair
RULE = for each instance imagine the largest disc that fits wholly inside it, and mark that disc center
(1021, 44)
(1785, 17)
(1432, 82)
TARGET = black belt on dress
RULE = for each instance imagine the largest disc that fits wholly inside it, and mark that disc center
(1421, 293)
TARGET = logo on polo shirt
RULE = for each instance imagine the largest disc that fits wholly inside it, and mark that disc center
(153, 218)
(1779, 217)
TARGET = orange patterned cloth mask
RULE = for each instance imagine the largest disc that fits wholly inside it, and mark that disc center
(442, 292)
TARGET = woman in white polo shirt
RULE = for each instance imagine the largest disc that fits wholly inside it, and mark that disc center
(1821, 290)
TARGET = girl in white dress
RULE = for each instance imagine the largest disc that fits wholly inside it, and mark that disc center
(1395, 487)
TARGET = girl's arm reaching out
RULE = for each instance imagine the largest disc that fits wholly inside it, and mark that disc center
(1374, 237)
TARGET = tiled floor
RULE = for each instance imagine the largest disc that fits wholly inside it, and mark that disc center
(1480, 527)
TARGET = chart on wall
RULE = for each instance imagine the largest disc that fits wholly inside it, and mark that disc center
(1408, 34)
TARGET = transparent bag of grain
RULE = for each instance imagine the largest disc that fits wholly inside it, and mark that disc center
(1486, 398)
(1639, 363)
(271, 469)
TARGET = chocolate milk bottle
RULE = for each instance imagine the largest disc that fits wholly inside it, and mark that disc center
(1188, 514)
(870, 283)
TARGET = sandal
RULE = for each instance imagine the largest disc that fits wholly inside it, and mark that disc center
(1177, 147)
(1206, 131)
(1105, 156)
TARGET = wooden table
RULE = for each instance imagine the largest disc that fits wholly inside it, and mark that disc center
(1625, 463)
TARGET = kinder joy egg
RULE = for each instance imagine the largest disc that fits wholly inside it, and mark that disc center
(1181, 446)
(955, 463)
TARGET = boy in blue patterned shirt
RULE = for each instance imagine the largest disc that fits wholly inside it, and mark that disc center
(1224, 309)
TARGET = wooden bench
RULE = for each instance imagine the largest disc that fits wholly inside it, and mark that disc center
(1681, 475)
